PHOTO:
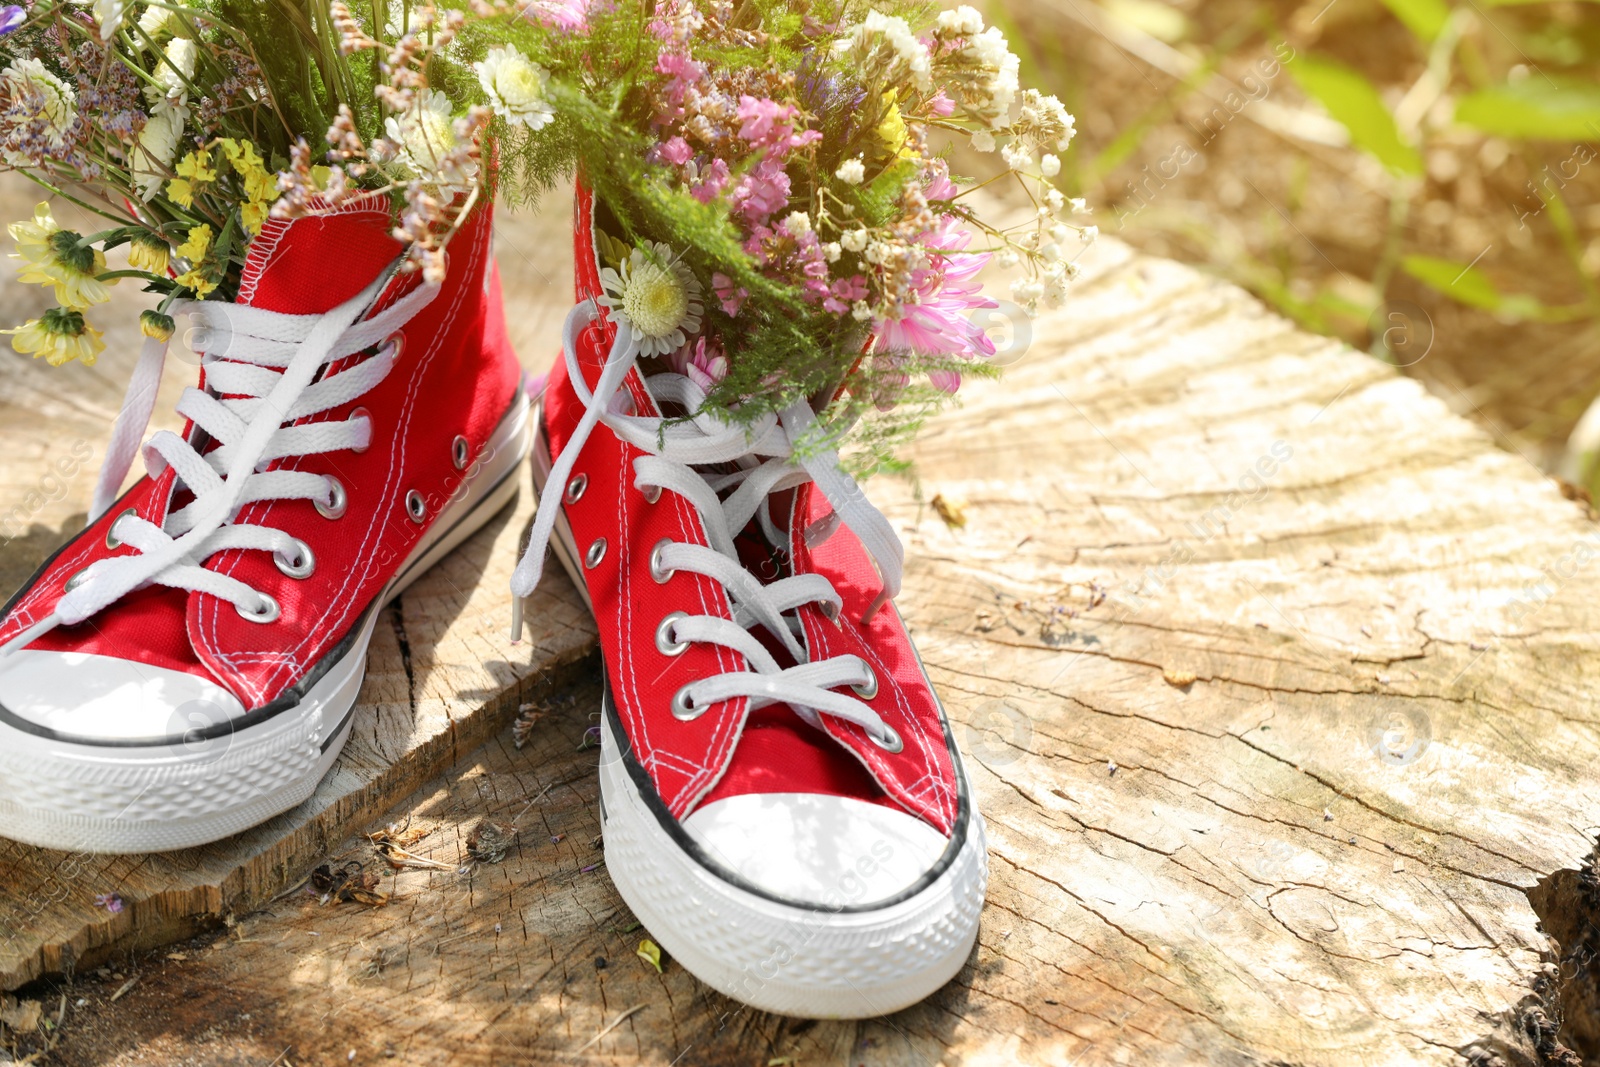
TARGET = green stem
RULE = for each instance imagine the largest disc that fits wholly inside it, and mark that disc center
(63, 194)
(112, 275)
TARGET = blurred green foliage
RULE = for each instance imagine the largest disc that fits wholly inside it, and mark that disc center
(1407, 82)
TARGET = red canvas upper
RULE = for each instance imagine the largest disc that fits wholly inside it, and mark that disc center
(727, 750)
(456, 375)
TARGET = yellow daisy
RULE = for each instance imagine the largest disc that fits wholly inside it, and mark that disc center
(197, 282)
(155, 324)
(148, 252)
(196, 244)
(33, 238)
(192, 170)
(60, 336)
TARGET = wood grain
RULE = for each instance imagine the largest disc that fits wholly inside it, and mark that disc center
(1274, 680)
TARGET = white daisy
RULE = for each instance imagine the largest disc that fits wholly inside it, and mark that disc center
(158, 22)
(656, 297)
(515, 86)
(108, 13)
(426, 138)
(152, 157)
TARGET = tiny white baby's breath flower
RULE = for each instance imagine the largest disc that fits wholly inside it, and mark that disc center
(983, 141)
(860, 311)
(851, 172)
(962, 22)
(798, 223)
(832, 251)
(855, 240)
(1050, 164)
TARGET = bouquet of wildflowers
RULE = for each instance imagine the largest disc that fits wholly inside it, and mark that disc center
(783, 214)
(185, 126)
(786, 217)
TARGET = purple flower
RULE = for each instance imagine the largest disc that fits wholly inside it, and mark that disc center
(112, 902)
(12, 16)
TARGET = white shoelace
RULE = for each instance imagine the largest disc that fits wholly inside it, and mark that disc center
(753, 462)
(266, 363)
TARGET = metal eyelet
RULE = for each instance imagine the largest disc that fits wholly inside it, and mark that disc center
(890, 744)
(301, 565)
(652, 493)
(397, 341)
(267, 612)
(682, 709)
(657, 570)
(338, 500)
(111, 531)
(596, 553)
(869, 688)
(830, 610)
(356, 414)
(416, 507)
(666, 643)
(575, 488)
(76, 580)
(460, 452)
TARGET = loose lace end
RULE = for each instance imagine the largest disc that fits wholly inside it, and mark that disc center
(30, 635)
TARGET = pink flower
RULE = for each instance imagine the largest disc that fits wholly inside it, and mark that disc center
(676, 151)
(680, 66)
(713, 179)
(570, 16)
(763, 190)
(732, 298)
(769, 125)
(765, 122)
(700, 361)
(941, 105)
(946, 291)
(936, 183)
(844, 294)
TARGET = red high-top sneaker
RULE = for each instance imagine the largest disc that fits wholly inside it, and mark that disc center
(187, 666)
(784, 807)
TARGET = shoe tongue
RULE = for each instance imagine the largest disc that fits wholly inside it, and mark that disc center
(311, 265)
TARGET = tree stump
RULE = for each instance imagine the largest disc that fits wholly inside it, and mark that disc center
(1271, 673)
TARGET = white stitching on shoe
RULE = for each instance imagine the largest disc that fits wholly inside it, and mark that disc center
(340, 601)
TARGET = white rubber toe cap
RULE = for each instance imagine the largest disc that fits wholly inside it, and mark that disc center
(817, 849)
(79, 695)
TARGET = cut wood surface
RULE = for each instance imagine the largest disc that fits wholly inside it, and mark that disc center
(1272, 675)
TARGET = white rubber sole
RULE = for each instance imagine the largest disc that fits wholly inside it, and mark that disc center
(840, 962)
(88, 798)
